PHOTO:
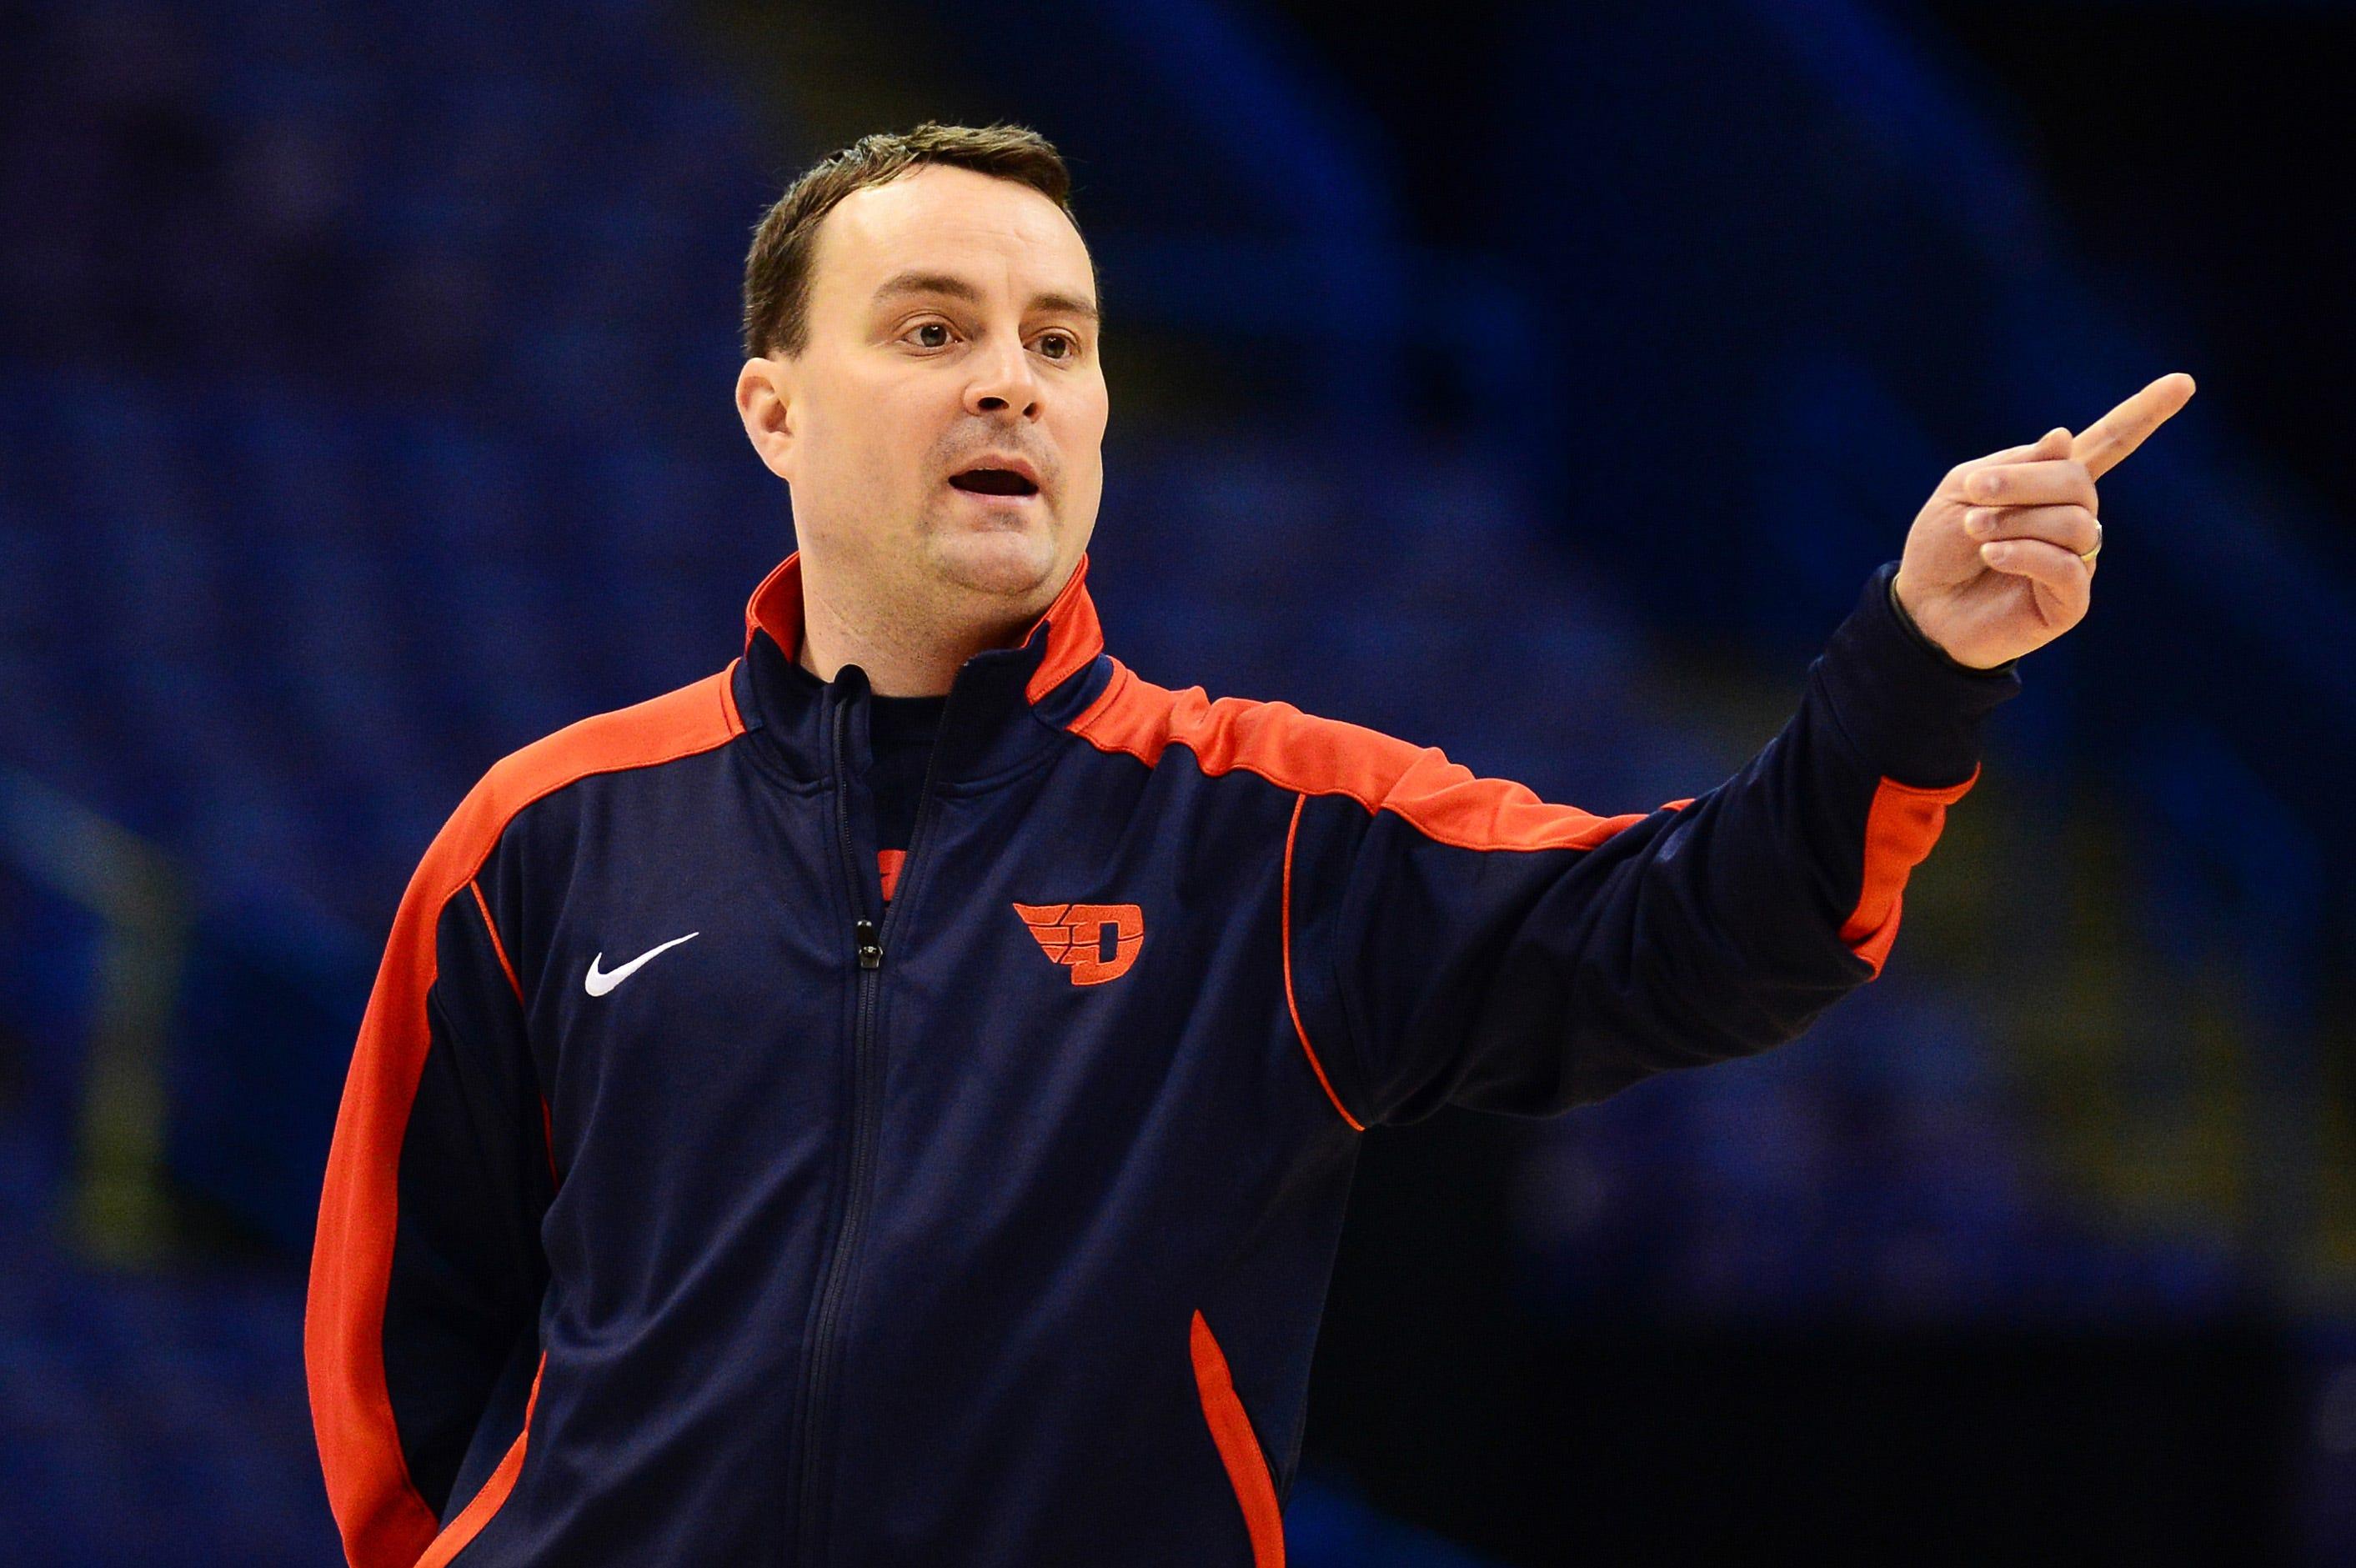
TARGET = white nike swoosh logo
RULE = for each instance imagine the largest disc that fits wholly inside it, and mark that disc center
(597, 984)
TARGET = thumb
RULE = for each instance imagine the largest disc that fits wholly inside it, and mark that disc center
(2054, 443)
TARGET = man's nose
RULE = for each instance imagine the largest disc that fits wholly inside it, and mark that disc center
(1003, 380)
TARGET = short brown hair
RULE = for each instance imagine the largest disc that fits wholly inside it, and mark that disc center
(777, 268)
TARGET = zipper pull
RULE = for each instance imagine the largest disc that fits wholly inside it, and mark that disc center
(870, 950)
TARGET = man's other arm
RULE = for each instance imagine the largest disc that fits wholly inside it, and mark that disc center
(427, 1272)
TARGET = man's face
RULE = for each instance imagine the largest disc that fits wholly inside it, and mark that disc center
(952, 328)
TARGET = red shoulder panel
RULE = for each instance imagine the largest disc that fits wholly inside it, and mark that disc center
(1297, 751)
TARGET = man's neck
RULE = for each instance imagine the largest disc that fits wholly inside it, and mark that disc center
(898, 661)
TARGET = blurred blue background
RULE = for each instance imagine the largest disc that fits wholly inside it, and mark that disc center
(1538, 382)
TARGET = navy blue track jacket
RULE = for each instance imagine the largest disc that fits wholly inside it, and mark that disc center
(690, 1204)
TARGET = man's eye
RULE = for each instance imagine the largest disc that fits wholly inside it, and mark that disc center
(934, 327)
(1068, 350)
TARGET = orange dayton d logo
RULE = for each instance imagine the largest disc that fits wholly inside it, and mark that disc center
(1099, 941)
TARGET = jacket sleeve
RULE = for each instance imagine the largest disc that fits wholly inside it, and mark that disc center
(427, 1272)
(1456, 939)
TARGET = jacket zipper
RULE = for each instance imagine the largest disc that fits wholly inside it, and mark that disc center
(866, 1115)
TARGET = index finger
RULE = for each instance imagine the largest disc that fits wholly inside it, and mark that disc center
(2103, 445)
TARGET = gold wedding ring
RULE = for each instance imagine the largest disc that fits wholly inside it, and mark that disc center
(2088, 556)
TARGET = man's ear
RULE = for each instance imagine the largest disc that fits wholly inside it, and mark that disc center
(764, 403)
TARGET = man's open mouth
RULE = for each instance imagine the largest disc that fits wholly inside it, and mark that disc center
(993, 481)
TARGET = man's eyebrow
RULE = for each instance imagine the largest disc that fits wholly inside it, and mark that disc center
(954, 287)
(1071, 304)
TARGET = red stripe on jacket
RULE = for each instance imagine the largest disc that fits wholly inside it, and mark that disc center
(1239, 1449)
(1904, 821)
(462, 1531)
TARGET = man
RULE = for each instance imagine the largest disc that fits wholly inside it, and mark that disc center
(893, 1101)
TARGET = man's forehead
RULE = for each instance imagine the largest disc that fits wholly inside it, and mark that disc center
(942, 221)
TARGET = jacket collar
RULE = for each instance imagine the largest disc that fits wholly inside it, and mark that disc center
(988, 727)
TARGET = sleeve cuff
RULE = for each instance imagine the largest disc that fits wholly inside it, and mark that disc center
(1913, 712)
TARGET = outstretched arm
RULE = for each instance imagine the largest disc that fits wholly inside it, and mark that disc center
(1450, 938)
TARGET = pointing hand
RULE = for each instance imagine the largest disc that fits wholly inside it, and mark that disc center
(2000, 558)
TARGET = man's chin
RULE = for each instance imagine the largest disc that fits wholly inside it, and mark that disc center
(1004, 563)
